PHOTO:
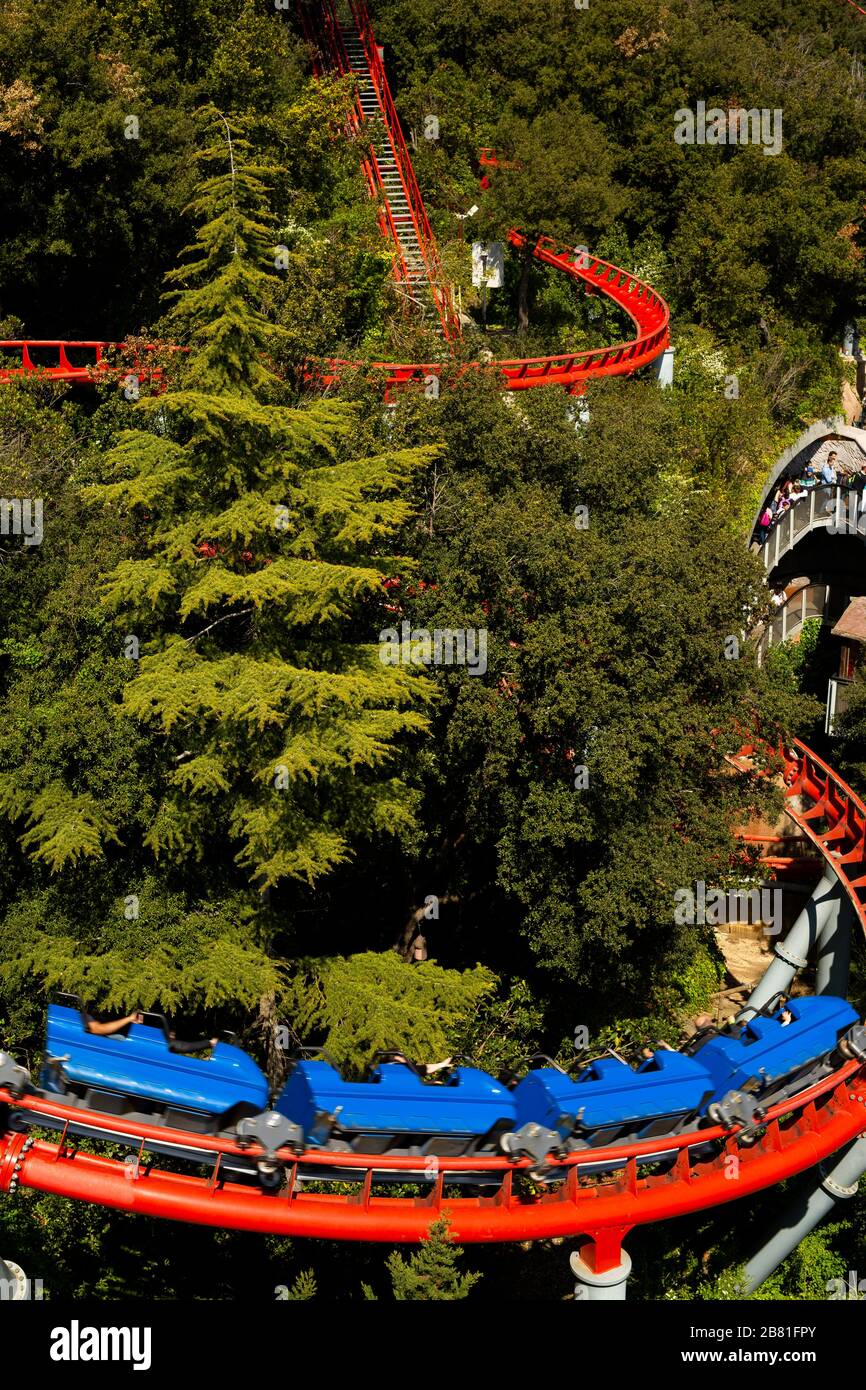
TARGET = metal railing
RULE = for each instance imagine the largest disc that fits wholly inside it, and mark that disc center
(809, 601)
(60, 368)
(647, 310)
(838, 508)
(423, 231)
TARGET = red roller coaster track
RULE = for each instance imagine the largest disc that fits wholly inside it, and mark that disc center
(601, 1194)
(390, 177)
(647, 310)
(578, 1200)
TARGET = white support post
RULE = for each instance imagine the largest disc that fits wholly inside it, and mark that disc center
(792, 954)
(664, 367)
(834, 952)
(815, 1201)
(608, 1287)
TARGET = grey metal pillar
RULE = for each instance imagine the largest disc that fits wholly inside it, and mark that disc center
(793, 953)
(834, 952)
(824, 1190)
(599, 1288)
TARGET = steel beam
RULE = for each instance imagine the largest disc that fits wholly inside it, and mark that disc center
(833, 1182)
(792, 954)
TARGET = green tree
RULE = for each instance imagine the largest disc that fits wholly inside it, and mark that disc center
(259, 546)
(558, 179)
(607, 633)
(851, 731)
(373, 1001)
(190, 670)
(432, 1272)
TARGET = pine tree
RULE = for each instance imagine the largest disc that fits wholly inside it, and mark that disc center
(374, 1001)
(431, 1272)
(301, 1290)
(255, 582)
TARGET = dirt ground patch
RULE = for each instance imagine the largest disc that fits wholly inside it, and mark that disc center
(747, 952)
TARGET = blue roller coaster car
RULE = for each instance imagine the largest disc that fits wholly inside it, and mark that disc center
(136, 1071)
(610, 1102)
(397, 1110)
(727, 1077)
(767, 1051)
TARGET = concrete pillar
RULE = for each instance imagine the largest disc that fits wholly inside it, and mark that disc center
(834, 952)
(608, 1287)
(793, 953)
(663, 365)
(824, 1189)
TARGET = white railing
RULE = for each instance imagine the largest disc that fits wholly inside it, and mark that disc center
(809, 601)
(838, 509)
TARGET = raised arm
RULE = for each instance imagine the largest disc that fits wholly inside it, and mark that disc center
(431, 1067)
(114, 1025)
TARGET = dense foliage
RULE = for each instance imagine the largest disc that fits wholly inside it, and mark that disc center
(216, 797)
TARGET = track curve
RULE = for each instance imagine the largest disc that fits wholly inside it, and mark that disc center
(601, 1193)
(699, 1174)
(579, 1198)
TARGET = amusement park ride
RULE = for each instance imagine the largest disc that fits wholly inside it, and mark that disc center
(547, 1170)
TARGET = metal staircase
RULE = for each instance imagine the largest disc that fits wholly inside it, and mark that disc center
(351, 48)
(389, 177)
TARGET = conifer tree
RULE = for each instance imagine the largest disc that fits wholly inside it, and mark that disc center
(374, 1001)
(255, 583)
(303, 1288)
(432, 1272)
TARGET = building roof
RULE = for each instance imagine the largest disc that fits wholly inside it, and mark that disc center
(852, 623)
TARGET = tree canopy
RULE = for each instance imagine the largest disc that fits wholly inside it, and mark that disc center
(219, 794)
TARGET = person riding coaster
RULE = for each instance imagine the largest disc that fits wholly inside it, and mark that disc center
(145, 1064)
(397, 1109)
(725, 1077)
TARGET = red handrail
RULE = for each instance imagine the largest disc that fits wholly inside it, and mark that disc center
(328, 44)
(331, 46)
(835, 805)
(64, 370)
(423, 230)
(647, 310)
